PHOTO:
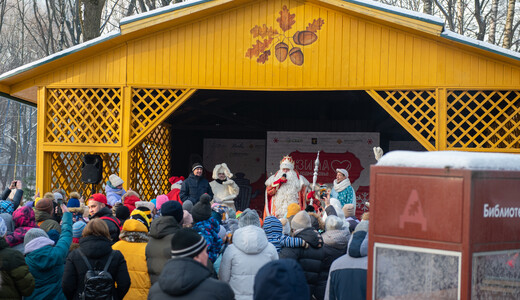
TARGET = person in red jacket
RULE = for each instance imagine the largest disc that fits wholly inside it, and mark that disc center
(176, 188)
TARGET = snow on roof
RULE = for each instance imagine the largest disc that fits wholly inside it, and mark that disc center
(479, 44)
(60, 54)
(162, 10)
(452, 159)
(399, 11)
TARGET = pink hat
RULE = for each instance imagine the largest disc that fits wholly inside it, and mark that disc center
(187, 218)
(161, 199)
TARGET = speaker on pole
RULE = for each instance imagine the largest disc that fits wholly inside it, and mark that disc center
(92, 169)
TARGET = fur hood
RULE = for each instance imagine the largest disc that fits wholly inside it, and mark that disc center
(222, 168)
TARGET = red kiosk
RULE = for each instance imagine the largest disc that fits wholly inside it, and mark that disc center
(444, 225)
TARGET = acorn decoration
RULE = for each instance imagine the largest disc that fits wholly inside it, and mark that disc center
(296, 56)
(281, 50)
(304, 38)
(267, 36)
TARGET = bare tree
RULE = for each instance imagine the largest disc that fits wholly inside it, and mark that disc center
(493, 21)
(508, 30)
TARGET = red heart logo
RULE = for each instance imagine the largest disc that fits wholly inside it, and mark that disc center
(343, 164)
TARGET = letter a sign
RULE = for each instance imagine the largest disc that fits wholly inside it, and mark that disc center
(413, 212)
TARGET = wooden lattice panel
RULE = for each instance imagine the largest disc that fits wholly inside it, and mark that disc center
(66, 172)
(150, 104)
(416, 110)
(83, 116)
(150, 164)
(483, 119)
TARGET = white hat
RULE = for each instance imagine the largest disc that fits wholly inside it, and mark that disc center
(115, 180)
(342, 171)
(222, 168)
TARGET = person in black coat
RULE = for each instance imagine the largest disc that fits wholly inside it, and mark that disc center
(186, 276)
(97, 207)
(312, 258)
(95, 244)
(195, 185)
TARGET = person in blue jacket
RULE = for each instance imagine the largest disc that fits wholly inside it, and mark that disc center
(195, 185)
(46, 261)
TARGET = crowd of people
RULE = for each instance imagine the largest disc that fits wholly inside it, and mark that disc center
(191, 243)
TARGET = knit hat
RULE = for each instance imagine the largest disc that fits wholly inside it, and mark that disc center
(3, 228)
(54, 235)
(292, 209)
(281, 279)
(147, 212)
(362, 226)
(187, 219)
(202, 210)
(232, 214)
(196, 166)
(187, 242)
(32, 234)
(122, 212)
(146, 204)
(249, 217)
(187, 205)
(98, 198)
(45, 205)
(134, 226)
(301, 220)
(141, 217)
(115, 180)
(77, 229)
(161, 199)
(58, 197)
(173, 209)
(73, 202)
(349, 210)
(8, 221)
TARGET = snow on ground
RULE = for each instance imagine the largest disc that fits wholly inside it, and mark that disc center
(452, 159)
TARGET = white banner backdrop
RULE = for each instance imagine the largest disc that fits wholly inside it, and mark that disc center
(246, 156)
(352, 151)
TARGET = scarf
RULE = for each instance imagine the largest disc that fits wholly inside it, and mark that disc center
(338, 187)
(134, 236)
(220, 181)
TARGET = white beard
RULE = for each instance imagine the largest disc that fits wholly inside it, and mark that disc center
(287, 193)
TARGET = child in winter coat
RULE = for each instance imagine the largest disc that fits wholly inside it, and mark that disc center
(274, 231)
(207, 226)
(23, 219)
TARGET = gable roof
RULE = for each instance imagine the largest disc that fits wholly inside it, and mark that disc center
(140, 25)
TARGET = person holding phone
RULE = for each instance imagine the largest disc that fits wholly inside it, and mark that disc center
(11, 197)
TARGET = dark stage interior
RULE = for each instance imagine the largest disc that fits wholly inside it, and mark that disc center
(250, 114)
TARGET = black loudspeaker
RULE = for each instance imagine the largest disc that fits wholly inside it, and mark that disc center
(92, 169)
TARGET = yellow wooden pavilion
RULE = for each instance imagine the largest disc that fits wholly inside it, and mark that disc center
(113, 94)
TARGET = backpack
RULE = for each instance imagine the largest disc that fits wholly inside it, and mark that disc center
(114, 220)
(97, 284)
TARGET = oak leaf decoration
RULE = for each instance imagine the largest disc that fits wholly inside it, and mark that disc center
(315, 25)
(263, 57)
(263, 31)
(258, 48)
(286, 19)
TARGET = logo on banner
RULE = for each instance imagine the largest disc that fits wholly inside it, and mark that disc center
(413, 212)
(329, 162)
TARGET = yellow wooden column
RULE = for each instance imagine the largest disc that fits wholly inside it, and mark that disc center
(43, 159)
(442, 117)
(124, 153)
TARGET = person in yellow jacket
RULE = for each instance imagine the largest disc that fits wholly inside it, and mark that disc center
(132, 244)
